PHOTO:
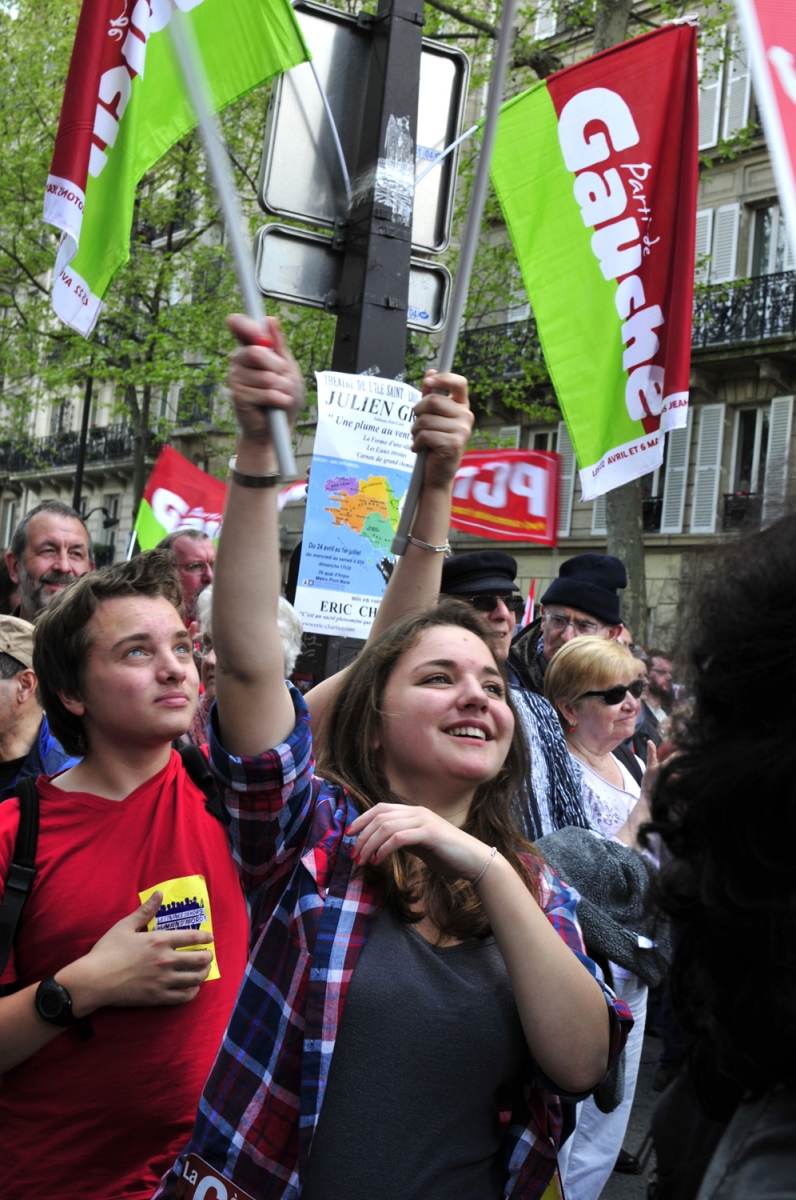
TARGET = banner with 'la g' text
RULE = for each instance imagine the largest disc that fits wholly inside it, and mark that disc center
(596, 172)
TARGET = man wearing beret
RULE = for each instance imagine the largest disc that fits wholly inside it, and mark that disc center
(583, 601)
(26, 745)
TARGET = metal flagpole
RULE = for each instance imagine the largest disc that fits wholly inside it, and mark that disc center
(472, 229)
(193, 71)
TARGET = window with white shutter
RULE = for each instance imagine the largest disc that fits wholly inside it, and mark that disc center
(726, 220)
(566, 480)
(704, 234)
(739, 88)
(677, 452)
(510, 436)
(775, 484)
(599, 519)
(546, 20)
(711, 79)
(707, 475)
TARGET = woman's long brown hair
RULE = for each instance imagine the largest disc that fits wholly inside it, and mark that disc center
(350, 759)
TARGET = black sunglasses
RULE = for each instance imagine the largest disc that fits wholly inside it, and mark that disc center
(615, 695)
(487, 602)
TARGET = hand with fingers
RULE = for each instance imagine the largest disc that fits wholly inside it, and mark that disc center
(442, 846)
(262, 375)
(133, 966)
(442, 426)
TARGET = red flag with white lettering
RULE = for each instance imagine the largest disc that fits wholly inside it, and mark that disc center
(769, 29)
(179, 496)
(508, 495)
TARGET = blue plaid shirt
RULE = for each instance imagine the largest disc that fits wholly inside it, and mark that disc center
(311, 915)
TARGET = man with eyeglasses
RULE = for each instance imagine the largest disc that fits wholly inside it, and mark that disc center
(581, 602)
(194, 556)
(485, 580)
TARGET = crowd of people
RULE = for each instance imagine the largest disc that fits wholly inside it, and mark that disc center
(391, 940)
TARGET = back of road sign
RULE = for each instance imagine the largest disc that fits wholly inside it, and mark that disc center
(300, 175)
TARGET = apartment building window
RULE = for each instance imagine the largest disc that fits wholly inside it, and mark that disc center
(545, 441)
(750, 449)
(724, 89)
(61, 416)
(546, 20)
(770, 248)
(758, 469)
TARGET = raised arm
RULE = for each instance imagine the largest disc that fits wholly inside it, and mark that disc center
(442, 426)
(254, 708)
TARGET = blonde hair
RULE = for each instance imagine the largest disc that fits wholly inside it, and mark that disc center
(586, 664)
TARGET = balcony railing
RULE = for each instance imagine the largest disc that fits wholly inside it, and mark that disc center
(105, 444)
(741, 510)
(748, 310)
(500, 349)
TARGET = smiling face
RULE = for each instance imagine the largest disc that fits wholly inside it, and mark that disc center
(446, 727)
(56, 554)
(140, 685)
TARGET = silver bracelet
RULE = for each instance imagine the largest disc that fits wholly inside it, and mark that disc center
(446, 549)
(252, 481)
(485, 867)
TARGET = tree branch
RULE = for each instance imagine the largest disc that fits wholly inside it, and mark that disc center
(475, 22)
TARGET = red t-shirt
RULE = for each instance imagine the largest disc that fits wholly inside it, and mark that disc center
(106, 1117)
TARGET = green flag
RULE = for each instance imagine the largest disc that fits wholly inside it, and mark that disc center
(125, 104)
(596, 172)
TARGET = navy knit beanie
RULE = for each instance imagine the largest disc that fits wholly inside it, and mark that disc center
(589, 582)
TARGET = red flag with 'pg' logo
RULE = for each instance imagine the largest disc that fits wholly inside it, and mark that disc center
(508, 495)
(178, 496)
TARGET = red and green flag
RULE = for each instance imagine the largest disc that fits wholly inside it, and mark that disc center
(125, 104)
(596, 172)
(179, 496)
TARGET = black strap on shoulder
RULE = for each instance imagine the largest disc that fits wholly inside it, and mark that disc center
(626, 756)
(23, 866)
(198, 768)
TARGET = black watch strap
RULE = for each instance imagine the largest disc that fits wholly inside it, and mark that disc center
(54, 1005)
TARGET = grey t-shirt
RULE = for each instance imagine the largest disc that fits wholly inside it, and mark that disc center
(429, 1046)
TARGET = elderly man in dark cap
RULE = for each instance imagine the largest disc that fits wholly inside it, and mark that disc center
(583, 601)
(486, 581)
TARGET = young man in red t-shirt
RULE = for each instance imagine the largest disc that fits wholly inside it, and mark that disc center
(132, 875)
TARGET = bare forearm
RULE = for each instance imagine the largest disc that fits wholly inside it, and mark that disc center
(562, 1009)
(23, 1032)
(254, 708)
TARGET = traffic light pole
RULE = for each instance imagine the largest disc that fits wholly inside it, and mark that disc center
(374, 291)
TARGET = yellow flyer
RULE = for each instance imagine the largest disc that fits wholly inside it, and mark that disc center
(186, 905)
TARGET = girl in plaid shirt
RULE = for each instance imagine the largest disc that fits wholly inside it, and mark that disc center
(409, 829)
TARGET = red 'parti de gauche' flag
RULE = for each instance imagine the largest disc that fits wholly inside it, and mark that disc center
(179, 496)
(125, 104)
(596, 171)
(508, 495)
(769, 29)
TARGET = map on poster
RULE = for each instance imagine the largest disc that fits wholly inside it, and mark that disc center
(359, 475)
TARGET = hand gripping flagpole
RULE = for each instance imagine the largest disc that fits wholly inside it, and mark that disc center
(472, 229)
(192, 67)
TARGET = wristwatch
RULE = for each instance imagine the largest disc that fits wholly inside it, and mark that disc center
(54, 1005)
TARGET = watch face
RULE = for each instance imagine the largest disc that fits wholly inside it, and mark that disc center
(51, 1004)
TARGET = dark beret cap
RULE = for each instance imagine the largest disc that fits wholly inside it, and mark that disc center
(589, 582)
(481, 571)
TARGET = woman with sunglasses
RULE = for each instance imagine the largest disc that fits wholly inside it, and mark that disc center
(594, 686)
